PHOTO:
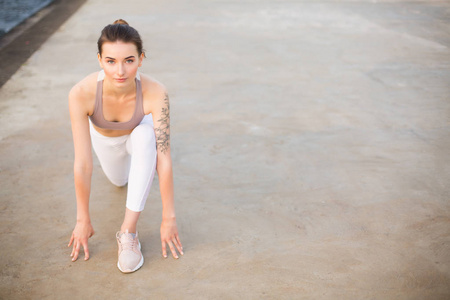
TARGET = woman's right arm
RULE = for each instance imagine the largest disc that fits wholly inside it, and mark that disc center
(82, 171)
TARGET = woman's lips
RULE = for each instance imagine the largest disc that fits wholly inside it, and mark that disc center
(121, 79)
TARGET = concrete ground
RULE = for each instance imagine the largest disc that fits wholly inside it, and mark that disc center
(310, 143)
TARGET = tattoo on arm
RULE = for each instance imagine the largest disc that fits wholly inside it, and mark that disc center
(163, 131)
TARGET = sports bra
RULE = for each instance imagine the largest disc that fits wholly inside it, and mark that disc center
(97, 117)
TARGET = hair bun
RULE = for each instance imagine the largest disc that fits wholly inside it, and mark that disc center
(120, 21)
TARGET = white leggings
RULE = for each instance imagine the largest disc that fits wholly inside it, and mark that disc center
(129, 158)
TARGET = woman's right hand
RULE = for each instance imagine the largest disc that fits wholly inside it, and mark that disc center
(80, 235)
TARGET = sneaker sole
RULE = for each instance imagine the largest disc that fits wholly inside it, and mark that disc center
(141, 262)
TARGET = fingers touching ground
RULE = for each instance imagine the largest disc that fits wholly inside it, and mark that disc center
(174, 245)
(79, 239)
(77, 247)
(76, 251)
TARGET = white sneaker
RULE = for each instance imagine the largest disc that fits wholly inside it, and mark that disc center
(130, 255)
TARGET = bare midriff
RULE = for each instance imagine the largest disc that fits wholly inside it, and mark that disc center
(112, 132)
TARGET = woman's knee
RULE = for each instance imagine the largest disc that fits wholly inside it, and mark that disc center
(119, 182)
(144, 133)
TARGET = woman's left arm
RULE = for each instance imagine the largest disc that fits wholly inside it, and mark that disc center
(161, 121)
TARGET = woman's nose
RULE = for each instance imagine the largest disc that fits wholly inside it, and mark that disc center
(121, 70)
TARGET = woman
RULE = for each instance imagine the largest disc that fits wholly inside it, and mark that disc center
(124, 116)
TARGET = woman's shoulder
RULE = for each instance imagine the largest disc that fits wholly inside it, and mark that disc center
(85, 88)
(151, 87)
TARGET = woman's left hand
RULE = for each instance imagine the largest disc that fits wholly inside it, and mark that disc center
(169, 236)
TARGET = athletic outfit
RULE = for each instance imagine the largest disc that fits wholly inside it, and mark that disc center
(128, 158)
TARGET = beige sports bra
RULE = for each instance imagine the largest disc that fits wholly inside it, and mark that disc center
(97, 117)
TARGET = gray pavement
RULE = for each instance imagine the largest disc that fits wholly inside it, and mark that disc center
(311, 145)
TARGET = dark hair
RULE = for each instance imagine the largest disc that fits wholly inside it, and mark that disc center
(120, 31)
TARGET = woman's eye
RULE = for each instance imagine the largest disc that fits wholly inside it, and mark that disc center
(130, 61)
(110, 61)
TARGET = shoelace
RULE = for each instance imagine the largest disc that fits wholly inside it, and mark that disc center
(129, 244)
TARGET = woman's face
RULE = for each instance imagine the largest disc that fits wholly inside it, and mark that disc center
(120, 61)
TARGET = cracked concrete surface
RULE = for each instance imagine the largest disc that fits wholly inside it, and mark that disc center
(310, 140)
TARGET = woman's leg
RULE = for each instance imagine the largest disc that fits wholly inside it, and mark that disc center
(130, 221)
(141, 145)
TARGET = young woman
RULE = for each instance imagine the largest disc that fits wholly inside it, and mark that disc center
(124, 116)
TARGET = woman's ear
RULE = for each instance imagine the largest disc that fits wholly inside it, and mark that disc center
(141, 58)
(99, 57)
